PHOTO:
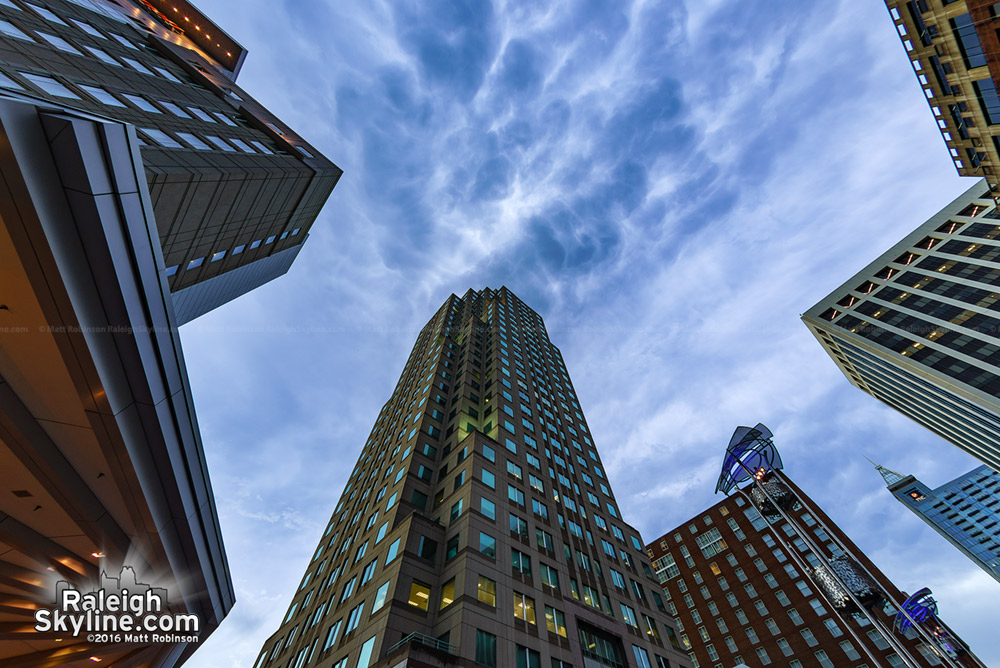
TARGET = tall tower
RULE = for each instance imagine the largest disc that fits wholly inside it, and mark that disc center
(234, 190)
(955, 52)
(919, 328)
(478, 526)
(141, 188)
(965, 511)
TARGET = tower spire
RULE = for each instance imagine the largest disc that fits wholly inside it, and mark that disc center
(890, 476)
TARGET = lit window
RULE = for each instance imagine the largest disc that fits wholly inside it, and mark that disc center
(218, 256)
(420, 595)
(195, 263)
(487, 591)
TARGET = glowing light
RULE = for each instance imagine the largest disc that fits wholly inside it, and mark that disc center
(97, 555)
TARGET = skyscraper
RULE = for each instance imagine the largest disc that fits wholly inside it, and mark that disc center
(955, 53)
(101, 460)
(478, 526)
(965, 511)
(233, 189)
(743, 589)
(919, 328)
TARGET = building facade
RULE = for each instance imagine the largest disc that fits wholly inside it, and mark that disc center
(478, 527)
(141, 188)
(741, 596)
(230, 184)
(919, 328)
(954, 48)
(965, 511)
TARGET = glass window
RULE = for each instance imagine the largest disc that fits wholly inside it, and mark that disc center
(50, 85)
(487, 591)
(220, 143)
(486, 648)
(102, 55)
(58, 42)
(488, 508)
(200, 113)
(11, 30)
(365, 657)
(447, 593)
(488, 545)
(101, 95)
(420, 595)
(141, 103)
(524, 608)
(380, 596)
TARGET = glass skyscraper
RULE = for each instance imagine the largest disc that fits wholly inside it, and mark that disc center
(965, 511)
(919, 328)
(478, 526)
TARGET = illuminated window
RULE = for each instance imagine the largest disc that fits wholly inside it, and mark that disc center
(420, 595)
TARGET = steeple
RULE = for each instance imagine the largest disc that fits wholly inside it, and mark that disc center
(890, 476)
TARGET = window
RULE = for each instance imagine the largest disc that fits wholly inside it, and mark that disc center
(628, 614)
(550, 577)
(451, 547)
(219, 143)
(832, 627)
(518, 526)
(520, 563)
(854, 655)
(488, 508)
(489, 479)
(380, 596)
(354, 618)
(555, 621)
(486, 648)
(527, 658)
(810, 639)
(752, 635)
(331, 634)
(794, 615)
(488, 545)
(539, 509)
(823, 659)
(365, 657)
(524, 608)
(101, 95)
(487, 591)
(456, 510)
(762, 655)
(543, 539)
(785, 648)
(393, 551)
(420, 595)
(49, 85)
(641, 658)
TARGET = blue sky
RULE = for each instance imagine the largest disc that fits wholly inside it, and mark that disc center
(669, 184)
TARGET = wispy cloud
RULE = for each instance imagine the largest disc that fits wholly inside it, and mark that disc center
(669, 184)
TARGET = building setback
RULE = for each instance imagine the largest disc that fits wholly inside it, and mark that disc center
(141, 188)
(233, 189)
(478, 527)
(965, 511)
(919, 328)
(738, 597)
(955, 52)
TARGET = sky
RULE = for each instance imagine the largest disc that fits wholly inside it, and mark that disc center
(670, 184)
